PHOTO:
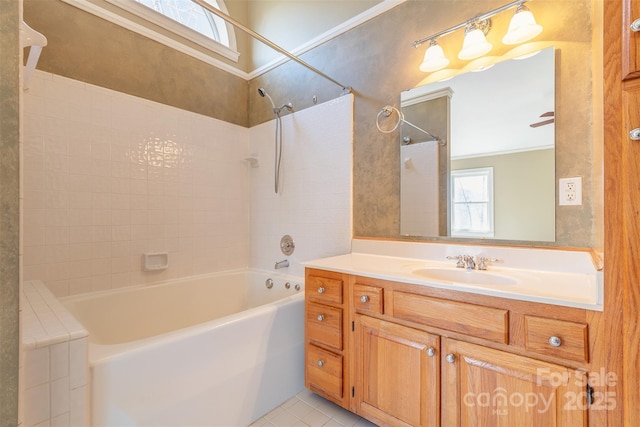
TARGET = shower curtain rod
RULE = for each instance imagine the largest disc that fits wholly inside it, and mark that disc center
(219, 13)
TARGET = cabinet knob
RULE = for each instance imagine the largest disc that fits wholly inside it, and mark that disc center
(450, 358)
(635, 25)
(635, 134)
(555, 341)
(321, 290)
(320, 317)
(320, 363)
(431, 352)
(364, 298)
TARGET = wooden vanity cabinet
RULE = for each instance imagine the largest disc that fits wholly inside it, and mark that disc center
(326, 346)
(407, 355)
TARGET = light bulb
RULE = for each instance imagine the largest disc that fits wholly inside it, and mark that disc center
(475, 44)
(434, 58)
(522, 27)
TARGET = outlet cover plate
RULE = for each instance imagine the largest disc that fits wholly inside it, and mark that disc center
(570, 191)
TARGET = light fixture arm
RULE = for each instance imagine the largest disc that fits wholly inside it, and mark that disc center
(464, 24)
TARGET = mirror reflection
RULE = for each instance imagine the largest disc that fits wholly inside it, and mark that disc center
(491, 173)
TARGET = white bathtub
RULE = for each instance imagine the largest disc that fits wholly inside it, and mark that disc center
(217, 350)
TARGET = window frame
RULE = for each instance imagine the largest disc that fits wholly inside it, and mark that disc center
(490, 202)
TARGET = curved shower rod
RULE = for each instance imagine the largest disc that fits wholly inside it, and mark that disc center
(219, 13)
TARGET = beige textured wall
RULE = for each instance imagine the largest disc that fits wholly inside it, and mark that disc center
(291, 24)
(378, 61)
(87, 48)
(9, 211)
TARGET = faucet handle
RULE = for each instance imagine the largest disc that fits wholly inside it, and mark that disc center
(459, 258)
(482, 262)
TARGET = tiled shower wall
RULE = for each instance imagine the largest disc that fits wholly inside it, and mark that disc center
(108, 177)
(313, 204)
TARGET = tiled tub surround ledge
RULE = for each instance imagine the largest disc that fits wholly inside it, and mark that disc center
(560, 277)
(55, 364)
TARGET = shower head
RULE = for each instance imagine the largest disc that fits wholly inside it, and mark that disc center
(264, 93)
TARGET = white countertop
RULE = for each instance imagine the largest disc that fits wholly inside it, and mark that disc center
(578, 285)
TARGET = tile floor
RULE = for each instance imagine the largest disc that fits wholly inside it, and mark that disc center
(307, 409)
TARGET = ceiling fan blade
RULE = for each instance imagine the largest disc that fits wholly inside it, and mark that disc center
(548, 114)
(542, 123)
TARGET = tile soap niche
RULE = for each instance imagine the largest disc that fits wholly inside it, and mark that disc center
(156, 261)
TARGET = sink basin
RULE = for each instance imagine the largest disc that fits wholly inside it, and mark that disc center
(471, 277)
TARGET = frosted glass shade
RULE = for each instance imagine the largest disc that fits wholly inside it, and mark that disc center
(475, 45)
(434, 59)
(522, 27)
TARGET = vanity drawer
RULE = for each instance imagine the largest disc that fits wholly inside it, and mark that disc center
(560, 338)
(323, 289)
(324, 372)
(479, 321)
(324, 325)
(368, 298)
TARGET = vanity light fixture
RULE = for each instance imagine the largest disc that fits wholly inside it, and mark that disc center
(475, 43)
(434, 58)
(522, 27)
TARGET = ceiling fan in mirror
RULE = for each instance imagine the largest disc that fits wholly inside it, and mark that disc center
(546, 121)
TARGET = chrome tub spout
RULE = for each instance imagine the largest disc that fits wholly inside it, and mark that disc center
(282, 264)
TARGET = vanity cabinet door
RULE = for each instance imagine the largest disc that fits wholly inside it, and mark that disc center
(397, 374)
(488, 387)
(630, 39)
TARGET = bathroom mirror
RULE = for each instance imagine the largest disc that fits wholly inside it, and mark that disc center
(492, 174)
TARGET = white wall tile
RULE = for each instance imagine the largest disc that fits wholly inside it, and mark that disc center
(79, 415)
(314, 202)
(37, 361)
(59, 360)
(36, 404)
(78, 365)
(60, 395)
(101, 162)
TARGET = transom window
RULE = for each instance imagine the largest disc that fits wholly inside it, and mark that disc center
(472, 202)
(199, 31)
(193, 16)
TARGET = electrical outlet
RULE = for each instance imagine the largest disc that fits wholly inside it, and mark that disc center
(570, 191)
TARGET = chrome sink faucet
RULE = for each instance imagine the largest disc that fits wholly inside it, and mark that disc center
(464, 261)
(470, 263)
